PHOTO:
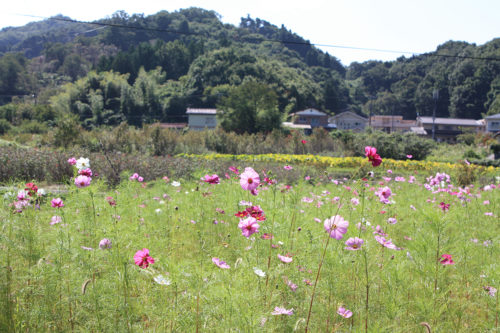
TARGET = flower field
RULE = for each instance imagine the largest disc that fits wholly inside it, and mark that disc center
(397, 250)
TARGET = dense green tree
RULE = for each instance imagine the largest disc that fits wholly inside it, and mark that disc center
(250, 108)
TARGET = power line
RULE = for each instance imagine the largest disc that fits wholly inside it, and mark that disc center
(267, 39)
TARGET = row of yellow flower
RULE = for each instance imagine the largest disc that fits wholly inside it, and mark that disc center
(344, 162)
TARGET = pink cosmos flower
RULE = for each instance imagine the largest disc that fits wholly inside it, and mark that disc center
(386, 243)
(55, 220)
(134, 176)
(249, 179)
(384, 194)
(105, 244)
(72, 161)
(389, 171)
(492, 291)
(249, 226)
(57, 203)
(23, 195)
(400, 179)
(355, 201)
(447, 260)
(392, 220)
(166, 179)
(220, 263)
(292, 285)
(336, 226)
(344, 312)
(288, 167)
(82, 181)
(354, 244)
(372, 155)
(140, 179)
(282, 311)
(409, 156)
(379, 231)
(285, 259)
(213, 179)
(143, 259)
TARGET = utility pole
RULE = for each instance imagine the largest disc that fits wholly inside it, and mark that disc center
(435, 96)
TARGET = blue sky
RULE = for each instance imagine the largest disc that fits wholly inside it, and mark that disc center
(397, 25)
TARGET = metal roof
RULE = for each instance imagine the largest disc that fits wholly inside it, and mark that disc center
(450, 121)
(201, 111)
(345, 113)
(310, 112)
(494, 116)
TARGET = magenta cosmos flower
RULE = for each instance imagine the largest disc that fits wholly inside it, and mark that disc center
(72, 161)
(248, 226)
(85, 172)
(213, 179)
(447, 260)
(57, 203)
(372, 155)
(354, 244)
(249, 179)
(82, 181)
(143, 259)
(220, 263)
(344, 312)
(336, 226)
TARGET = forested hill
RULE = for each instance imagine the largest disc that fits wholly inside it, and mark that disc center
(150, 68)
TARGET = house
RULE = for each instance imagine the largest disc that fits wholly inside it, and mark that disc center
(391, 124)
(312, 117)
(348, 120)
(492, 123)
(447, 129)
(201, 119)
(306, 129)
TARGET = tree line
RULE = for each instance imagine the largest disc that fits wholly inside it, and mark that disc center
(166, 62)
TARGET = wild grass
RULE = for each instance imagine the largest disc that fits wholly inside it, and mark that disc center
(56, 278)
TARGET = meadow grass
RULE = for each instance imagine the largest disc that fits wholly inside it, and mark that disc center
(56, 278)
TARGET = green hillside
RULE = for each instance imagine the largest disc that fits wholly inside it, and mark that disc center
(150, 68)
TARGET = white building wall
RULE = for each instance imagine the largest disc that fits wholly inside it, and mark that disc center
(202, 121)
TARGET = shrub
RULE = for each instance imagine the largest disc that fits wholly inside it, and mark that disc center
(4, 126)
(495, 148)
(33, 127)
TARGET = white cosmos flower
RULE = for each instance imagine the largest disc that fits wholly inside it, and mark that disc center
(82, 163)
(259, 272)
(160, 279)
(176, 183)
